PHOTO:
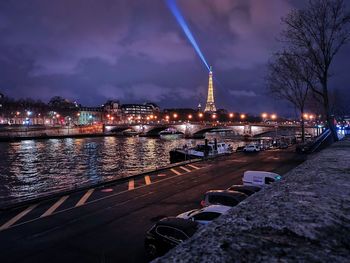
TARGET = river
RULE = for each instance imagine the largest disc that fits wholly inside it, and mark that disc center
(33, 168)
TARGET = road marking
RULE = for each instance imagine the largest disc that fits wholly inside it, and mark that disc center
(161, 175)
(185, 169)
(84, 198)
(55, 206)
(175, 172)
(106, 197)
(17, 217)
(147, 179)
(193, 166)
(131, 184)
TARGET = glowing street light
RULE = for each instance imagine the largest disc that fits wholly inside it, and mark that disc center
(200, 115)
(190, 116)
(242, 116)
(306, 116)
(264, 115)
(231, 115)
(273, 116)
(213, 116)
(175, 115)
(167, 118)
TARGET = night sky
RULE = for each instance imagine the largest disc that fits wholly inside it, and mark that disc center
(134, 51)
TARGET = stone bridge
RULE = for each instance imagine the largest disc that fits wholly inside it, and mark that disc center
(199, 129)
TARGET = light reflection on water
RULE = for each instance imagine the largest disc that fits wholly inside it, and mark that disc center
(32, 168)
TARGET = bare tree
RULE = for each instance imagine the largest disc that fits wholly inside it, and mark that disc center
(286, 81)
(318, 33)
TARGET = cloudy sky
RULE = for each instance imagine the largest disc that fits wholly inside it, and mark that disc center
(134, 51)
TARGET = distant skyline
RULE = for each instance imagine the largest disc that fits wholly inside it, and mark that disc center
(134, 51)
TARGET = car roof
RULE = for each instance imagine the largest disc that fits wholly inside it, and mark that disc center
(181, 223)
(260, 173)
(215, 208)
(247, 187)
(226, 193)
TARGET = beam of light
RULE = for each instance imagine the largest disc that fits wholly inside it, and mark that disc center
(181, 20)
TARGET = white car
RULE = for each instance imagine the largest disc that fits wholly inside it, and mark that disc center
(260, 178)
(251, 148)
(205, 215)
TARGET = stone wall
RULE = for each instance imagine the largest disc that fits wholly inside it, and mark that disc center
(303, 218)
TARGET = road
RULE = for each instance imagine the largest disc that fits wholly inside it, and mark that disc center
(108, 224)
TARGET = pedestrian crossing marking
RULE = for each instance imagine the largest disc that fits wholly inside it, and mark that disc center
(193, 166)
(17, 217)
(55, 206)
(147, 179)
(175, 172)
(185, 169)
(84, 198)
(131, 185)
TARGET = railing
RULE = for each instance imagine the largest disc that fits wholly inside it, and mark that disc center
(320, 140)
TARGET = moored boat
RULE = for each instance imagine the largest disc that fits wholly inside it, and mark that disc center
(211, 149)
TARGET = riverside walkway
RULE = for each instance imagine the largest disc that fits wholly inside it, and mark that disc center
(303, 218)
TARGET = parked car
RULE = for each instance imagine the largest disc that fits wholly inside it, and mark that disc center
(260, 178)
(205, 215)
(240, 148)
(251, 148)
(245, 189)
(168, 233)
(283, 145)
(223, 197)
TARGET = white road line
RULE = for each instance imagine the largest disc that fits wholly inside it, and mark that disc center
(175, 172)
(185, 169)
(55, 206)
(131, 185)
(193, 166)
(147, 179)
(17, 217)
(84, 198)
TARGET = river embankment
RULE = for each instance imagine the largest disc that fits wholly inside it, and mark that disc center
(303, 218)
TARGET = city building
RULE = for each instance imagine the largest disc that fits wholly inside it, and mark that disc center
(90, 115)
(139, 111)
(113, 112)
(210, 106)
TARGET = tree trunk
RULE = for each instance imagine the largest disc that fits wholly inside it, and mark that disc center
(302, 126)
(329, 118)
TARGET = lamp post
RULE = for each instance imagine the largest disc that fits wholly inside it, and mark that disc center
(231, 115)
(274, 117)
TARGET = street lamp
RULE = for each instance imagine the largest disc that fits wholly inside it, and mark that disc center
(274, 117)
(242, 116)
(190, 116)
(231, 115)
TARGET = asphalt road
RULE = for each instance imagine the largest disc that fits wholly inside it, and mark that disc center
(108, 224)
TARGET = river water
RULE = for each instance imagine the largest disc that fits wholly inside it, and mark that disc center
(33, 168)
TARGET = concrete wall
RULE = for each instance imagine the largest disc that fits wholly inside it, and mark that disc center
(303, 218)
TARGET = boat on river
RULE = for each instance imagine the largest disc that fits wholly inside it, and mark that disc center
(212, 149)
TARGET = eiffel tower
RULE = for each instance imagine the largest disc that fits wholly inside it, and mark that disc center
(210, 106)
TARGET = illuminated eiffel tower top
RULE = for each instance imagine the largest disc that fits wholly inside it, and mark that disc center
(210, 106)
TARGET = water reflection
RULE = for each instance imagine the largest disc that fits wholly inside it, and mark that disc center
(32, 168)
